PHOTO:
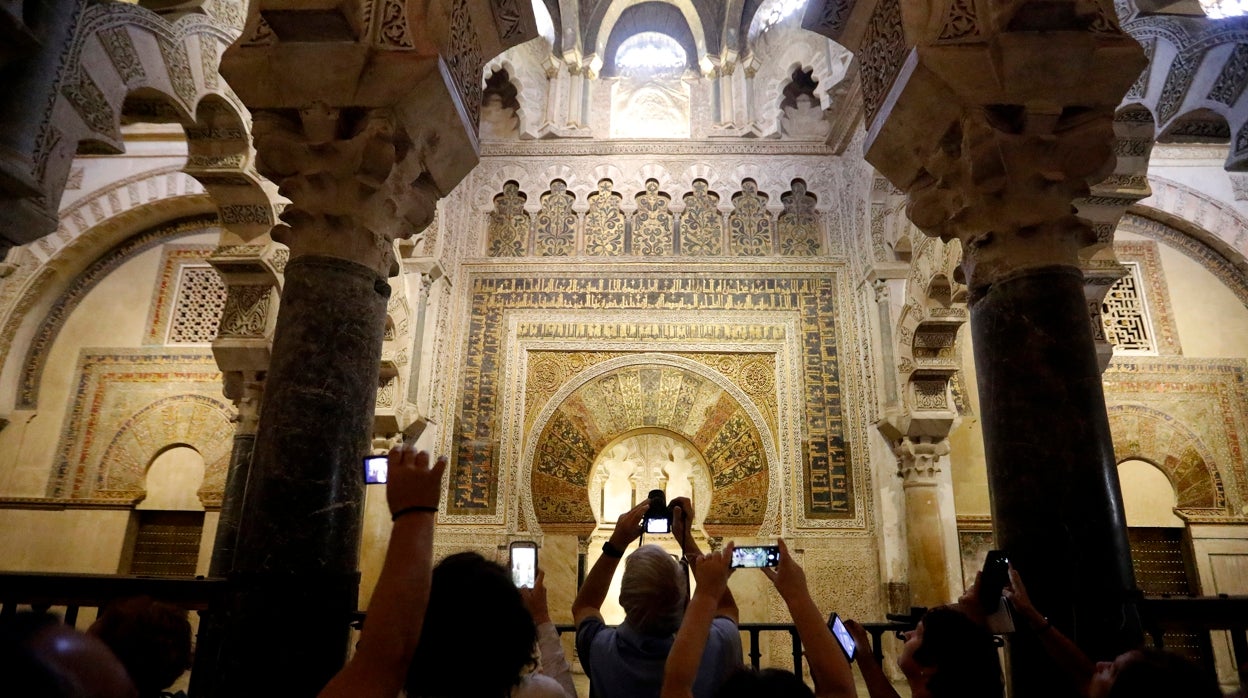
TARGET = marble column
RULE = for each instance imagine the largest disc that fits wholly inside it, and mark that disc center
(295, 559)
(925, 544)
(994, 124)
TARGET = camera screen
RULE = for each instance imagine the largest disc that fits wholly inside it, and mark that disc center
(375, 469)
(756, 556)
(524, 566)
(843, 637)
(658, 526)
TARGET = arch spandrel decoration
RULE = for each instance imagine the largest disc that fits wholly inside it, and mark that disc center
(195, 421)
(1143, 433)
(628, 394)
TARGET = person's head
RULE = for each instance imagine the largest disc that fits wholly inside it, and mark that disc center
(1145, 673)
(151, 638)
(478, 636)
(42, 658)
(775, 683)
(652, 591)
(952, 655)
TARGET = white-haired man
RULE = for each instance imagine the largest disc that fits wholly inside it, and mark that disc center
(628, 661)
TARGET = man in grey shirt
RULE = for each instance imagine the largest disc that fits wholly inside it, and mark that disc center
(628, 661)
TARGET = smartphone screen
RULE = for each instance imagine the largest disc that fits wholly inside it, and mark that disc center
(375, 469)
(658, 526)
(756, 556)
(524, 564)
(994, 578)
(842, 636)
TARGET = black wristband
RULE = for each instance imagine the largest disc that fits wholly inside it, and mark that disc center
(408, 510)
(612, 551)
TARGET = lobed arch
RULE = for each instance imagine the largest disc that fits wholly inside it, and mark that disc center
(554, 492)
(194, 421)
(525, 70)
(1150, 435)
(126, 64)
(699, 459)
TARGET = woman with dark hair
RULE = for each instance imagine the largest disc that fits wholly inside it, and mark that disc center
(151, 638)
(1140, 673)
(478, 636)
(948, 655)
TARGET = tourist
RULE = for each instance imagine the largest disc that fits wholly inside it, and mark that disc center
(948, 655)
(829, 667)
(1138, 673)
(550, 648)
(41, 657)
(152, 639)
(396, 613)
(628, 661)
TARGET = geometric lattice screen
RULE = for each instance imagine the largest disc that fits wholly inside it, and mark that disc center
(198, 308)
(1125, 314)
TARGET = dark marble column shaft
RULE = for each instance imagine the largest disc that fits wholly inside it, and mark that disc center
(1056, 502)
(295, 562)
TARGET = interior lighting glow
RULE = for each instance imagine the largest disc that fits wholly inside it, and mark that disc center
(771, 13)
(545, 25)
(1220, 9)
(651, 53)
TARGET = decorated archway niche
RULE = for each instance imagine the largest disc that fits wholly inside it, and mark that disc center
(643, 460)
(1145, 434)
(651, 398)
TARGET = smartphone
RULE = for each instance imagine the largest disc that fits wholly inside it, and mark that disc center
(523, 554)
(995, 576)
(375, 469)
(756, 556)
(841, 633)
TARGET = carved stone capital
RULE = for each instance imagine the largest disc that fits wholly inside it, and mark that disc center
(991, 117)
(354, 178)
(918, 459)
(246, 389)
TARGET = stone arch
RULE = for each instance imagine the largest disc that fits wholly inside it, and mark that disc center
(58, 292)
(195, 421)
(927, 329)
(523, 64)
(795, 49)
(607, 15)
(1150, 435)
(1200, 216)
(730, 433)
(701, 469)
(167, 70)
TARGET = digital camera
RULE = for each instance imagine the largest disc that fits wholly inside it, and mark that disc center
(658, 517)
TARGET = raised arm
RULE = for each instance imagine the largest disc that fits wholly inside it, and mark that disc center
(711, 574)
(594, 590)
(549, 649)
(828, 666)
(1060, 648)
(682, 529)
(878, 685)
(397, 610)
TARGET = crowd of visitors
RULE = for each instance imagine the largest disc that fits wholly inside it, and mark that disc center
(461, 629)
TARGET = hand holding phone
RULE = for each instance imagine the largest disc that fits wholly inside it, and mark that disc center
(843, 637)
(523, 563)
(756, 556)
(376, 469)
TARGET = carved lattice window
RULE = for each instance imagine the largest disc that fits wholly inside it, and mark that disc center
(798, 225)
(508, 230)
(197, 311)
(701, 226)
(652, 223)
(749, 224)
(554, 231)
(604, 222)
(1125, 314)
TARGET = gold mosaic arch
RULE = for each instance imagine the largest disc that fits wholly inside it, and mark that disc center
(1142, 433)
(659, 397)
